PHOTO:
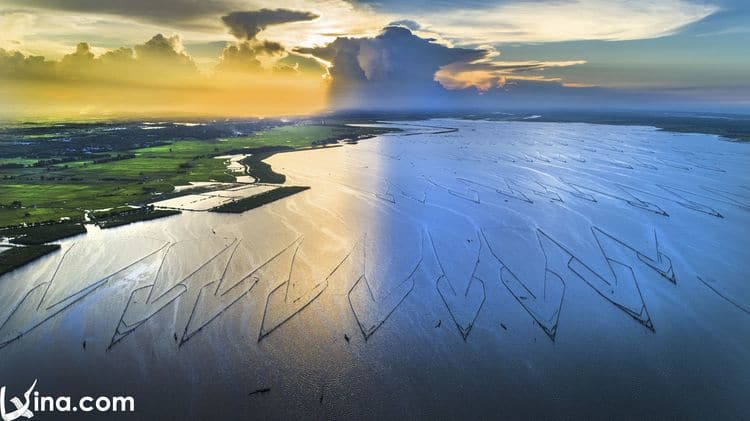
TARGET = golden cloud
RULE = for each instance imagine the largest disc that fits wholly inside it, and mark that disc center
(159, 77)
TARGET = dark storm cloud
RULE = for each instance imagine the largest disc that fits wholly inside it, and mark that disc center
(172, 11)
(246, 25)
(270, 48)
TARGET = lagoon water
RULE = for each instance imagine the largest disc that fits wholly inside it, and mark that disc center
(457, 268)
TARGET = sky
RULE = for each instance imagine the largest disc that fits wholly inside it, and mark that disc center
(268, 58)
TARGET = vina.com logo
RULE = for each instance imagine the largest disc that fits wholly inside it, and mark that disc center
(34, 403)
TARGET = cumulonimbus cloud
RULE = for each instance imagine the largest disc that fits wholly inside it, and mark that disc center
(399, 69)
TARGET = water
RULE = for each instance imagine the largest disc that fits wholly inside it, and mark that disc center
(459, 268)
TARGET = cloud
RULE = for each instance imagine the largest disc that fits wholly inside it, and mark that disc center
(81, 57)
(250, 58)
(239, 58)
(395, 66)
(400, 70)
(406, 23)
(159, 61)
(15, 25)
(495, 22)
(270, 48)
(57, 23)
(160, 46)
(486, 75)
(298, 65)
(167, 11)
(246, 25)
(16, 66)
(48, 27)
(244, 56)
(118, 56)
(158, 77)
(162, 60)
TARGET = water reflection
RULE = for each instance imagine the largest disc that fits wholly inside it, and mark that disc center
(435, 272)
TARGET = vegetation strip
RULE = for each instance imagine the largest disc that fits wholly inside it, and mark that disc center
(259, 200)
(15, 257)
(262, 171)
(42, 233)
(130, 215)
